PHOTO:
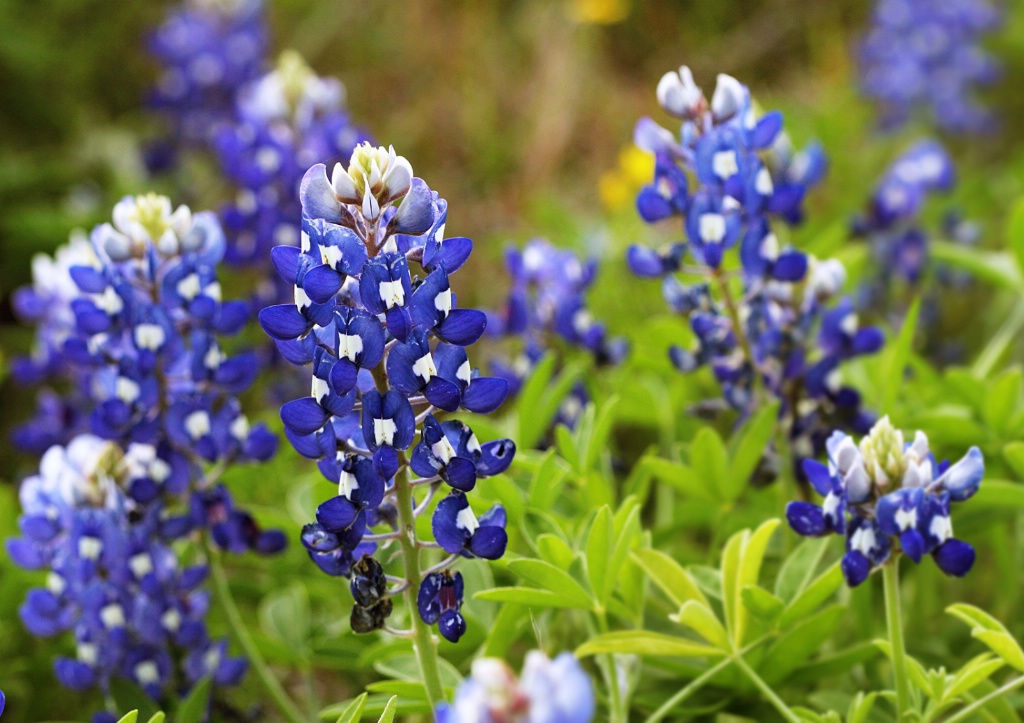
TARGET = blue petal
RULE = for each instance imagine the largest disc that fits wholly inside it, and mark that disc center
(485, 394)
(343, 376)
(283, 321)
(766, 130)
(452, 255)
(806, 519)
(317, 195)
(442, 394)
(398, 322)
(416, 213)
(912, 543)
(856, 568)
(461, 474)
(462, 327)
(790, 266)
(88, 279)
(489, 542)
(336, 514)
(963, 478)
(385, 461)
(451, 625)
(303, 416)
(954, 557)
(818, 475)
(447, 533)
(321, 283)
(495, 457)
(652, 206)
(286, 262)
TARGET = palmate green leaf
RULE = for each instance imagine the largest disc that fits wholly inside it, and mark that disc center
(546, 484)
(193, 709)
(567, 446)
(353, 711)
(404, 688)
(699, 618)
(709, 461)
(999, 494)
(896, 357)
(599, 552)
(972, 674)
(1013, 453)
(669, 575)
(798, 644)
(158, 717)
(643, 642)
(388, 716)
(995, 267)
(531, 597)
(554, 580)
(555, 550)
(747, 448)
(761, 604)
(507, 625)
(741, 566)
(917, 673)
(990, 631)
(682, 477)
(823, 587)
(130, 717)
(860, 707)
(376, 704)
(1015, 233)
(1002, 400)
(798, 570)
(625, 534)
(531, 424)
(284, 615)
(603, 424)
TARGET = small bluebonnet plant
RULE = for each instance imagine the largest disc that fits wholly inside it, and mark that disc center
(781, 335)
(887, 496)
(285, 122)
(139, 338)
(547, 691)
(547, 304)
(926, 56)
(114, 578)
(207, 50)
(387, 349)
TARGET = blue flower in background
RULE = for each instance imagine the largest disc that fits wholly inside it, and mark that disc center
(114, 578)
(889, 496)
(283, 123)
(207, 50)
(731, 173)
(547, 691)
(387, 348)
(926, 56)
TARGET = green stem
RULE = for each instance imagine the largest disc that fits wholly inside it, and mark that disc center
(612, 676)
(894, 621)
(774, 699)
(740, 333)
(423, 640)
(691, 688)
(220, 583)
(964, 713)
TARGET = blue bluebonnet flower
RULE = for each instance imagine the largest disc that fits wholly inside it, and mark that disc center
(887, 496)
(730, 174)
(284, 122)
(547, 305)
(207, 50)
(114, 580)
(547, 691)
(138, 338)
(926, 56)
(387, 353)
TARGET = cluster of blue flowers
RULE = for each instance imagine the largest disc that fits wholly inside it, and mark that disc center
(547, 691)
(388, 358)
(780, 335)
(888, 496)
(285, 122)
(134, 318)
(926, 55)
(207, 50)
(113, 577)
(547, 302)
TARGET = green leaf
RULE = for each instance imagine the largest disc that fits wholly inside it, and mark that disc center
(915, 670)
(130, 717)
(1015, 233)
(567, 447)
(709, 461)
(531, 424)
(284, 615)
(553, 579)
(996, 267)
(603, 424)
(1003, 645)
(546, 483)
(388, 716)
(626, 531)
(642, 642)
(681, 477)
(799, 568)
(669, 575)
(531, 597)
(974, 672)
(1013, 453)
(1002, 399)
(703, 621)
(193, 708)
(860, 707)
(897, 356)
(795, 646)
(405, 688)
(353, 711)
(599, 544)
(128, 695)
(761, 603)
(555, 550)
(746, 572)
(814, 595)
(503, 631)
(158, 717)
(750, 443)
